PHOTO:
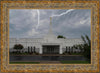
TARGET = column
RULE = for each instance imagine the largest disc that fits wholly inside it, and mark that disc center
(60, 50)
(40, 50)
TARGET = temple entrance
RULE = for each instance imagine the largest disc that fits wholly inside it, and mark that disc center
(50, 49)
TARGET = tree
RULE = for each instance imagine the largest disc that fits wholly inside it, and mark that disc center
(85, 47)
(60, 36)
(75, 47)
(18, 47)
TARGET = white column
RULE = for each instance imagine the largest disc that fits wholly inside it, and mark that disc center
(60, 50)
(40, 50)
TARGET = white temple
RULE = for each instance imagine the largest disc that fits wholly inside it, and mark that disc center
(49, 44)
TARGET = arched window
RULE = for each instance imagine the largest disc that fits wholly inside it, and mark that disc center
(34, 48)
(28, 49)
(31, 49)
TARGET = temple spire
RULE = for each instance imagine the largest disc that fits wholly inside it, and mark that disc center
(50, 28)
(50, 34)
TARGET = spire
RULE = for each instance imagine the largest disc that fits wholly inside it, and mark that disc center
(50, 33)
(50, 29)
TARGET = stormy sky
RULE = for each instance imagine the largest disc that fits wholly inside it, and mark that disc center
(34, 23)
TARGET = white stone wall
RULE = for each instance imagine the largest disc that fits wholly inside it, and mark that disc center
(37, 42)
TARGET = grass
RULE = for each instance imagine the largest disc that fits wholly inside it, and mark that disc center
(24, 62)
(63, 62)
(75, 62)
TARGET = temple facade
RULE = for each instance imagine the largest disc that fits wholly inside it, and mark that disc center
(48, 44)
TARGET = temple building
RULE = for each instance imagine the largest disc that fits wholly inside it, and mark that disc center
(49, 44)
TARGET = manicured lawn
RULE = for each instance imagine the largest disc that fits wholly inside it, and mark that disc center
(24, 62)
(75, 62)
(63, 62)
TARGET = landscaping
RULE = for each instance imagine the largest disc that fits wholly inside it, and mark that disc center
(75, 62)
(24, 53)
(85, 51)
(24, 62)
(63, 62)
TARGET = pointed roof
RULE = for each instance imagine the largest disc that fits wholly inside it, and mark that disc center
(50, 33)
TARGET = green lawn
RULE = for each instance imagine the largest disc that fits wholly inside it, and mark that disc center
(24, 62)
(63, 62)
(75, 62)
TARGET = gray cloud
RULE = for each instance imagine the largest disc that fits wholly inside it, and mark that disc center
(23, 23)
